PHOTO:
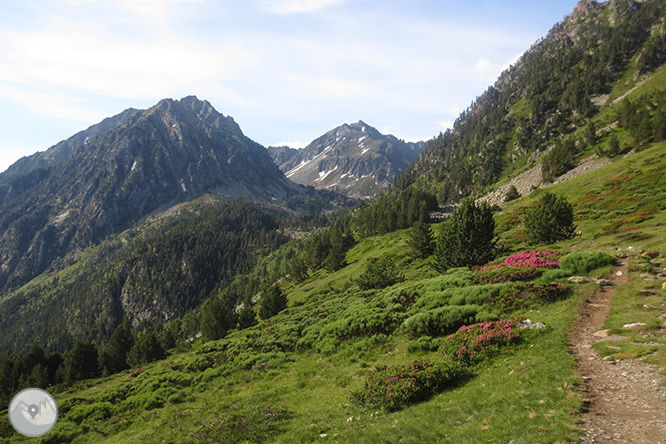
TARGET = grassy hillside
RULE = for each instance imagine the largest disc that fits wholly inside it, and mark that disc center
(295, 377)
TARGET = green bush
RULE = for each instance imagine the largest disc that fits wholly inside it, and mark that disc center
(63, 432)
(441, 320)
(424, 343)
(520, 296)
(581, 262)
(97, 411)
(394, 387)
(380, 273)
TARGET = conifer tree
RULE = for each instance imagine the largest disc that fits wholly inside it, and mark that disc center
(273, 301)
(146, 349)
(467, 238)
(299, 269)
(421, 240)
(512, 194)
(336, 258)
(113, 357)
(80, 362)
(550, 220)
(217, 317)
(247, 316)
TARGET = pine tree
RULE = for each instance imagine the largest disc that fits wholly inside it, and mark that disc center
(467, 238)
(146, 349)
(217, 317)
(247, 316)
(113, 357)
(421, 240)
(273, 301)
(550, 220)
(299, 269)
(336, 258)
(80, 362)
(613, 146)
(512, 194)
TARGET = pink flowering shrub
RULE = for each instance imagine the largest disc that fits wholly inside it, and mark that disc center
(475, 342)
(394, 387)
(520, 266)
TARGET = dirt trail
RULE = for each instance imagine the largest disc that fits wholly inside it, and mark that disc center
(626, 403)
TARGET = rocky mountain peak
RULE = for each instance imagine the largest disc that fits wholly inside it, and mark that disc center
(354, 159)
(126, 168)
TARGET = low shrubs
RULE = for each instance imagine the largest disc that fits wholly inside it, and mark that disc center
(524, 295)
(441, 320)
(472, 343)
(519, 267)
(380, 273)
(394, 387)
(581, 262)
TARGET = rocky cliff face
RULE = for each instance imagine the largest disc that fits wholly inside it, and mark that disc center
(356, 160)
(105, 178)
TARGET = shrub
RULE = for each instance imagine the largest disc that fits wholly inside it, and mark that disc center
(97, 411)
(440, 320)
(424, 343)
(472, 343)
(521, 295)
(380, 273)
(581, 262)
(520, 266)
(550, 220)
(394, 387)
(467, 238)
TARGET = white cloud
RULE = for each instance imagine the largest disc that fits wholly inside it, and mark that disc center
(153, 10)
(330, 87)
(86, 59)
(489, 71)
(446, 124)
(285, 7)
(53, 105)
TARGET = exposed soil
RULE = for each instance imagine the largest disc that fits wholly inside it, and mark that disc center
(625, 400)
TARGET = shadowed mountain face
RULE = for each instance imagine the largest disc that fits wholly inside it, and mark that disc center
(106, 178)
(356, 160)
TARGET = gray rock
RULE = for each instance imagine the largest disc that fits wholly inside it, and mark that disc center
(528, 323)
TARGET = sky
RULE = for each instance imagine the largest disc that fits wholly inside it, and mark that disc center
(287, 71)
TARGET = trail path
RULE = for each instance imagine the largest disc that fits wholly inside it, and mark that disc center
(626, 403)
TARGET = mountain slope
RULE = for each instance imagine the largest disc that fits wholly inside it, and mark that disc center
(356, 160)
(553, 89)
(104, 179)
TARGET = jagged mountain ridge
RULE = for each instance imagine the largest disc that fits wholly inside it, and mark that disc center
(553, 89)
(104, 179)
(353, 159)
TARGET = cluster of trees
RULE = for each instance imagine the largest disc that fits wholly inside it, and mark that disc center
(168, 268)
(84, 360)
(645, 117)
(554, 82)
(394, 210)
(468, 237)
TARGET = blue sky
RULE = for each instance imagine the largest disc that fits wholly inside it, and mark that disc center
(286, 70)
